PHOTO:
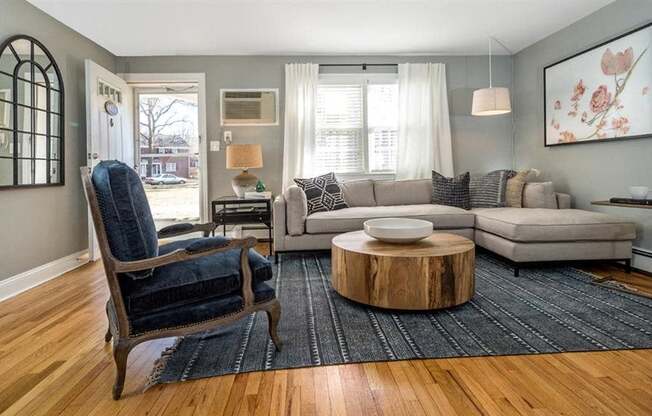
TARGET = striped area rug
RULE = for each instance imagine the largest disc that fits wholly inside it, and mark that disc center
(543, 311)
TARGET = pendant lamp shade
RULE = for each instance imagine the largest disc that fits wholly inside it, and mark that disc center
(491, 102)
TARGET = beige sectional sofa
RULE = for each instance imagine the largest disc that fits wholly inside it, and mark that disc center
(521, 235)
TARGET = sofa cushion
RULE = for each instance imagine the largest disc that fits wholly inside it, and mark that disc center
(359, 193)
(403, 192)
(351, 219)
(323, 193)
(539, 195)
(125, 213)
(488, 191)
(554, 250)
(539, 224)
(451, 191)
(192, 313)
(190, 281)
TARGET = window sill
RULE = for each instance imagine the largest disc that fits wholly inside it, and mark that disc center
(347, 177)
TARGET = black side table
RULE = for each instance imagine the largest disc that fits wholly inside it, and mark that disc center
(232, 210)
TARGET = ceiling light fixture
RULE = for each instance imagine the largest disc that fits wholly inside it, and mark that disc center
(491, 101)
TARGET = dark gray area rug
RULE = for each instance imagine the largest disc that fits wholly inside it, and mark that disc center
(543, 311)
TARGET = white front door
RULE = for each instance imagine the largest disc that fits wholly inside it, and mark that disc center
(109, 135)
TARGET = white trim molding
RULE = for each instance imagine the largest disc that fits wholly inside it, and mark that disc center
(642, 259)
(31, 278)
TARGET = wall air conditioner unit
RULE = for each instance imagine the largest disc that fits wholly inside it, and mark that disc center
(249, 107)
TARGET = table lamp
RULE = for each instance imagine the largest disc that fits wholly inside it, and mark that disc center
(245, 157)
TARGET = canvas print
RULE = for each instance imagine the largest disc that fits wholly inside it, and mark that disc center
(604, 93)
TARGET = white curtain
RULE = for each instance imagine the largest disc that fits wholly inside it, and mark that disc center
(301, 82)
(424, 135)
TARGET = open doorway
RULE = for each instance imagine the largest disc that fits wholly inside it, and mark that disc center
(168, 147)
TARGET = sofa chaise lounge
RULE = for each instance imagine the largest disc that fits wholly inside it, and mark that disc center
(521, 235)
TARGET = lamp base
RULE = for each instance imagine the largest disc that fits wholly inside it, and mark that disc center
(244, 182)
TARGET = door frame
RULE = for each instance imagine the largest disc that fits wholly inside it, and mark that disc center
(97, 72)
(199, 78)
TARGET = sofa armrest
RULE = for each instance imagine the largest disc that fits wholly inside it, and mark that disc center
(563, 200)
(279, 227)
(296, 210)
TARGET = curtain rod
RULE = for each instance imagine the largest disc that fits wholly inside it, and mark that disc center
(363, 65)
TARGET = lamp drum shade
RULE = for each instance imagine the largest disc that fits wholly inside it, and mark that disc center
(244, 156)
(491, 101)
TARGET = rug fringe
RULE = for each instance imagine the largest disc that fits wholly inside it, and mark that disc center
(160, 364)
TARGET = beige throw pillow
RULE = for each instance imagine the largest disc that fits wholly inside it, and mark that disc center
(514, 189)
(539, 195)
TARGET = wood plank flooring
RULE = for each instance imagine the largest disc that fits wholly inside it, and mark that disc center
(53, 361)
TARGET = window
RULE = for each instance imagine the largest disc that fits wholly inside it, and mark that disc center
(356, 124)
(31, 115)
(170, 167)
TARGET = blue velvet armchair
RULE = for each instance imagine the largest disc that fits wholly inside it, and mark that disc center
(175, 289)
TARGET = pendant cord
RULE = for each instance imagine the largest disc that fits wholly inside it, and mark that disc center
(490, 81)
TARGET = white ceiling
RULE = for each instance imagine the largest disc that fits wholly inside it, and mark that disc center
(314, 27)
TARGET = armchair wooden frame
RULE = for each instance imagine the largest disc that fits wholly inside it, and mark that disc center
(124, 340)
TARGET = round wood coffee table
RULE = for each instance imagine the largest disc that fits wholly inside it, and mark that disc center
(436, 272)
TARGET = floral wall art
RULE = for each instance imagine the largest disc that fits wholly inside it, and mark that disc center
(604, 93)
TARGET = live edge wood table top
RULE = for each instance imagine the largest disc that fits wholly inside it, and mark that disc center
(436, 272)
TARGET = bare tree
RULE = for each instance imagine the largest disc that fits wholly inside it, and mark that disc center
(155, 116)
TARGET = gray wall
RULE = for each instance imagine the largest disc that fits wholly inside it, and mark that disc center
(589, 171)
(479, 144)
(44, 224)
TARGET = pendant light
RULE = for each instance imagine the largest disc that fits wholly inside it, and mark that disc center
(491, 101)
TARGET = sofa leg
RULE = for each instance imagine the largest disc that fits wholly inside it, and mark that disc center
(517, 271)
(276, 258)
(628, 266)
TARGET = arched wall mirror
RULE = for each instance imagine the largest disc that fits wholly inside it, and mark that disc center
(31, 115)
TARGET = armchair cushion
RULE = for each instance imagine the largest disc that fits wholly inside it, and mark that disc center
(192, 313)
(191, 281)
(125, 213)
(203, 244)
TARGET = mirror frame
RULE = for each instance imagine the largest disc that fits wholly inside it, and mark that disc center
(33, 108)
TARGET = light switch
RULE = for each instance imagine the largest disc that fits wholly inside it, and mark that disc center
(215, 145)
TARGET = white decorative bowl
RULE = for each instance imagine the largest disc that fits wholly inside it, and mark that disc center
(398, 230)
(638, 192)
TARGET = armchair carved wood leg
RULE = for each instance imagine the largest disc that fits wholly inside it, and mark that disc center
(108, 335)
(120, 353)
(273, 317)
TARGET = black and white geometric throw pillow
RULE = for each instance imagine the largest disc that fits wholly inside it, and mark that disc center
(322, 192)
(488, 191)
(451, 191)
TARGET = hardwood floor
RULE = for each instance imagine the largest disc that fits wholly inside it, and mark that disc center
(53, 360)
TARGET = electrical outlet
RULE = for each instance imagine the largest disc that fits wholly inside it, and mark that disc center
(215, 145)
(228, 137)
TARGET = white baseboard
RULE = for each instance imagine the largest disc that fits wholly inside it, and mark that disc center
(642, 259)
(21, 282)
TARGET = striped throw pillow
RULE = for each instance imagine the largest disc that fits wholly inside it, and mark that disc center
(488, 191)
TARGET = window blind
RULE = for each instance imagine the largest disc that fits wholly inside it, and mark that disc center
(339, 143)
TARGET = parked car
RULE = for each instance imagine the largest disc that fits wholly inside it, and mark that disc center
(165, 179)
